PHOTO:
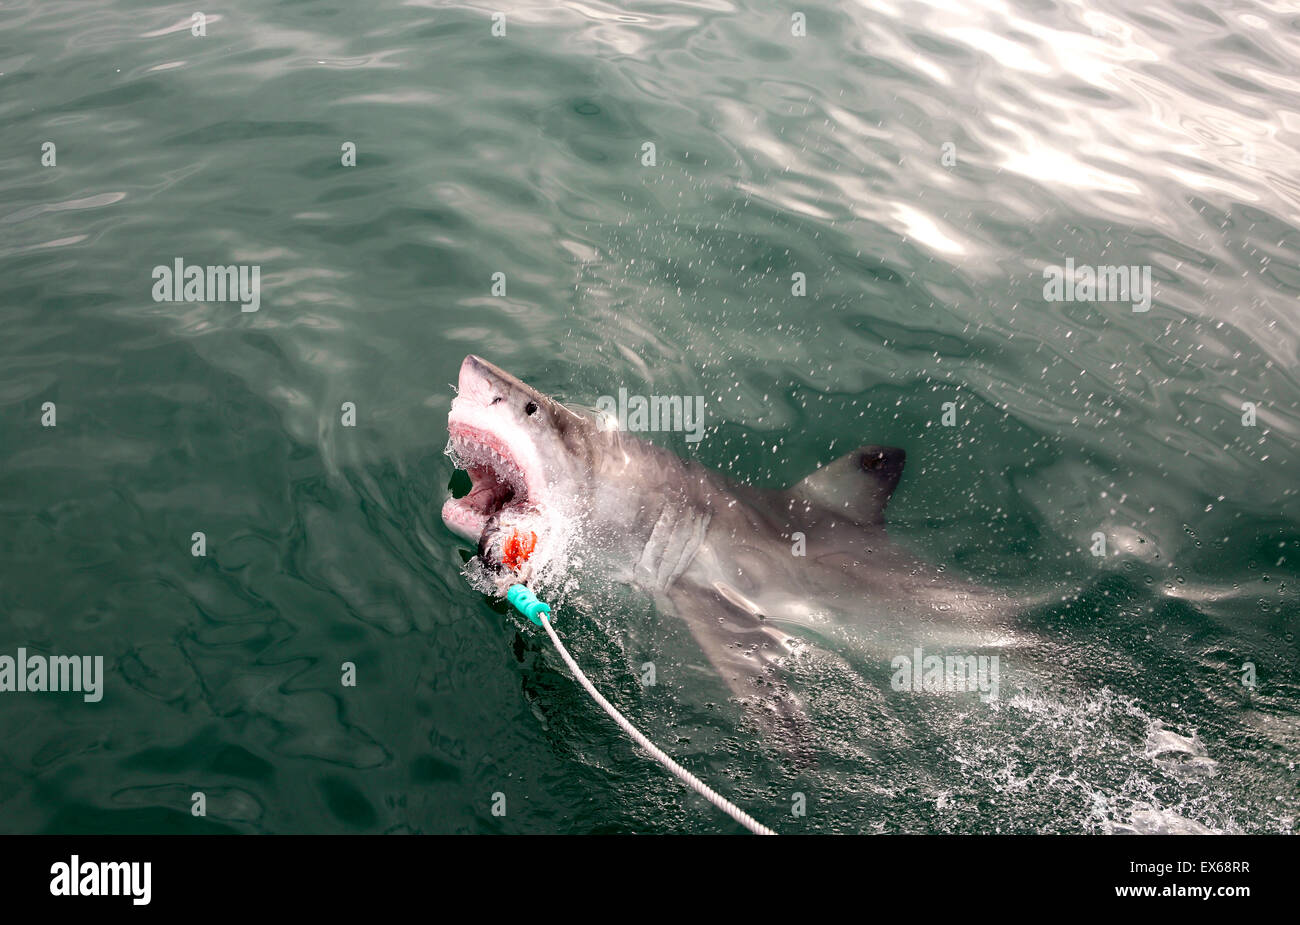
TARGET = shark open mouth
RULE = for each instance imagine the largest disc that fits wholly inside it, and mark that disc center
(498, 481)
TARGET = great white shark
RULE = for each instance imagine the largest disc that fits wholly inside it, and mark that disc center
(750, 571)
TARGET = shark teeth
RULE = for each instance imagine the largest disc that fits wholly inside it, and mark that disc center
(497, 478)
(471, 457)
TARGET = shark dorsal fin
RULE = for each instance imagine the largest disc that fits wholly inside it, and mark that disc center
(857, 486)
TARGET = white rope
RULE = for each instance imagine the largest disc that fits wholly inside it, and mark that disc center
(685, 776)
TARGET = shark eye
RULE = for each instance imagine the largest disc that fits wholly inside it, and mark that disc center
(530, 408)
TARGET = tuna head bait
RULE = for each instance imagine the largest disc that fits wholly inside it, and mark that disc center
(508, 546)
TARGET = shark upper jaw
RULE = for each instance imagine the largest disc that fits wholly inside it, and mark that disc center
(487, 440)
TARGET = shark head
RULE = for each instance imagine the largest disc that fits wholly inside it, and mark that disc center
(525, 452)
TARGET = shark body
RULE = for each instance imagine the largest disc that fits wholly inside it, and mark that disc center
(723, 556)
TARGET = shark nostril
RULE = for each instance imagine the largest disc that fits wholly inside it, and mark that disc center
(873, 462)
(495, 400)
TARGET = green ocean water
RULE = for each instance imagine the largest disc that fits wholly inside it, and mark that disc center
(919, 163)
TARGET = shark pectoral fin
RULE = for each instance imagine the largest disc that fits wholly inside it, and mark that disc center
(857, 486)
(733, 637)
(745, 651)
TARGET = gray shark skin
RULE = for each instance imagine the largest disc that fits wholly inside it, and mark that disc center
(719, 554)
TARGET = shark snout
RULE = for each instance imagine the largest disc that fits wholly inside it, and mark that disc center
(476, 366)
(482, 382)
(475, 377)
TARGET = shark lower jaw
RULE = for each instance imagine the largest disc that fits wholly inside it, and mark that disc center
(501, 482)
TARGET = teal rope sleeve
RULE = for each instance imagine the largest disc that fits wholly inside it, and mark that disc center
(527, 603)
